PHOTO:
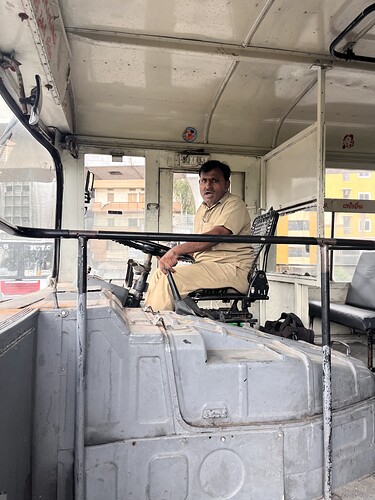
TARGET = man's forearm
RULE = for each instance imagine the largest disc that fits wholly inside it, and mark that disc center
(190, 247)
(170, 259)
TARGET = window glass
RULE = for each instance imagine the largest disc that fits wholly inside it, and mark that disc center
(186, 200)
(117, 204)
(364, 196)
(297, 259)
(28, 194)
(354, 224)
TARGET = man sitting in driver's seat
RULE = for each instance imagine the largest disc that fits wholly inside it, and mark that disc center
(217, 265)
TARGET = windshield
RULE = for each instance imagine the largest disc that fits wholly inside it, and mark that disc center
(28, 194)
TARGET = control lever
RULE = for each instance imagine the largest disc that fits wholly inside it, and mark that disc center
(184, 306)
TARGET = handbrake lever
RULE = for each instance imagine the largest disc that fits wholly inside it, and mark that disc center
(184, 306)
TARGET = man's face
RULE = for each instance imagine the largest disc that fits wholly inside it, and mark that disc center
(213, 186)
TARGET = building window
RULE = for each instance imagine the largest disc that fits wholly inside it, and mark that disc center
(133, 198)
(346, 219)
(364, 225)
(110, 197)
(300, 251)
(346, 177)
(346, 193)
(364, 196)
(364, 174)
(133, 222)
(298, 225)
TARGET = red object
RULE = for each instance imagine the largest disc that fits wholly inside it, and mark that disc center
(19, 287)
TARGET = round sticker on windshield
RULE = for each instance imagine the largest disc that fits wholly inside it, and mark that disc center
(189, 134)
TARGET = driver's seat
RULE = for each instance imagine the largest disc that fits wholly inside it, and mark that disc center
(238, 310)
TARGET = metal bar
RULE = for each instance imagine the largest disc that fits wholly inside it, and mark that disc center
(216, 100)
(27, 232)
(215, 49)
(258, 21)
(79, 438)
(320, 152)
(327, 381)
(370, 342)
(291, 106)
(333, 217)
(349, 55)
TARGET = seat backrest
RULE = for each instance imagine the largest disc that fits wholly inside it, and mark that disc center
(263, 225)
(361, 291)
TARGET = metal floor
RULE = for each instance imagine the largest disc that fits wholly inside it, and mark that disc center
(361, 489)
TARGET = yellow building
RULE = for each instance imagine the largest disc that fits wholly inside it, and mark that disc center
(340, 184)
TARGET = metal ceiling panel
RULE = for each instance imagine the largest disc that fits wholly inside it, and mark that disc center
(142, 93)
(234, 70)
(306, 26)
(258, 95)
(350, 109)
(219, 20)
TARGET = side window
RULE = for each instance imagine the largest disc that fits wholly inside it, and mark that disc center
(118, 204)
(186, 198)
(297, 259)
(354, 223)
(28, 194)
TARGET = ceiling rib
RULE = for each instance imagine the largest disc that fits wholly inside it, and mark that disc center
(299, 97)
(233, 68)
(107, 144)
(216, 99)
(257, 23)
(225, 50)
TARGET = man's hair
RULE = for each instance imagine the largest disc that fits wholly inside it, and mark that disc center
(211, 164)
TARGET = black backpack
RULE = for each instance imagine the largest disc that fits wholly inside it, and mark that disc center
(289, 326)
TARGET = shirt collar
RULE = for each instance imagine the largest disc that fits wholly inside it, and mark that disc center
(222, 199)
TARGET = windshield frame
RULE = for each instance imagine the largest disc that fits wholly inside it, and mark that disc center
(39, 134)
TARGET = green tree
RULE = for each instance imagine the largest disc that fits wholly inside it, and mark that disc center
(182, 193)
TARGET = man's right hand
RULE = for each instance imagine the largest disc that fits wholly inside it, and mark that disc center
(168, 261)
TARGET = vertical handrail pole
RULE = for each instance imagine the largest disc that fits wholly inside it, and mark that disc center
(327, 381)
(79, 439)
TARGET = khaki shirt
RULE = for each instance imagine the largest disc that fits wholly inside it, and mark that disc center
(231, 212)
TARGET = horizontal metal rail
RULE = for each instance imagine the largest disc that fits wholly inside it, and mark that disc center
(349, 54)
(121, 236)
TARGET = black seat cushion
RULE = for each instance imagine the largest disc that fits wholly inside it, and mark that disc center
(216, 293)
(359, 309)
(344, 314)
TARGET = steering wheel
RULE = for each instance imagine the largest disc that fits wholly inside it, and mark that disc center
(152, 248)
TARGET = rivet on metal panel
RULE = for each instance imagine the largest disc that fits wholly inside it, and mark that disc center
(223, 439)
(184, 440)
(280, 435)
(62, 314)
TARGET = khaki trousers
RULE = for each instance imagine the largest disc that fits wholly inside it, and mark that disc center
(190, 277)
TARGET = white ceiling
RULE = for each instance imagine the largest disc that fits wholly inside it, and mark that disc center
(142, 71)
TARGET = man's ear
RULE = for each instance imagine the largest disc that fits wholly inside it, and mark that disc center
(227, 185)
